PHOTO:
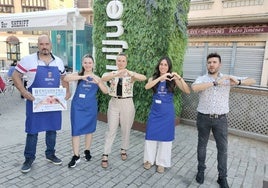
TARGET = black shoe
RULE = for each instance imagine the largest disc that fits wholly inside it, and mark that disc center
(26, 167)
(200, 177)
(53, 159)
(87, 155)
(223, 182)
(74, 161)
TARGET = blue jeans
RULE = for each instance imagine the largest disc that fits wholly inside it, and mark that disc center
(219, 127)
(31, 142)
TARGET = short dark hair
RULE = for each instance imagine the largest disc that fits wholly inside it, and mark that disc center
(211, 55)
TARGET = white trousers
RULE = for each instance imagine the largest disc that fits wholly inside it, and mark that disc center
(158, 153)
(120, 111)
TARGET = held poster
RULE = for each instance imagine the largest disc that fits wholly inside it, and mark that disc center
(49, 99)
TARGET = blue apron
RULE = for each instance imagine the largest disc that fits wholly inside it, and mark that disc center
(84, 108)
(161, 121)
(46, 77)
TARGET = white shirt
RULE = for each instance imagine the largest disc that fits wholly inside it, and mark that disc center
(28, 66)
(215, 99)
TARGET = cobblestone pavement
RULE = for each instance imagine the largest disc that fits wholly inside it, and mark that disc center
(247, 159)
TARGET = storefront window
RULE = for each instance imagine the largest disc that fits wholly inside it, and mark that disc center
(33, 48)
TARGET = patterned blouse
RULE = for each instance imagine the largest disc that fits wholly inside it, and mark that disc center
(127, 87)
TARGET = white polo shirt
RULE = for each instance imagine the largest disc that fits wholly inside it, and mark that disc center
(28, 66)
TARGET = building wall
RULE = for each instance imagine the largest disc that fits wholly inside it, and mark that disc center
(227, 11)
(247, 116)
(25, 39)
(59, 4)
(209, 18)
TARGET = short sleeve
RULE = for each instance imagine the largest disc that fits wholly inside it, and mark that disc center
(60, 65)
(199, 80)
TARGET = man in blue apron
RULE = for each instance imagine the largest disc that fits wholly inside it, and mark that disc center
(43, 70)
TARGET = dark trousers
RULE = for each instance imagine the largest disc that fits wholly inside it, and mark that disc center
(31, 142)
(219, 129)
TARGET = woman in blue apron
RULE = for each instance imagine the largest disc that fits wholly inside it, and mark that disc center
(84, 107)
(160, 128)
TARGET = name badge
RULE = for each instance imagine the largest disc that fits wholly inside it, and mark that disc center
(158, 101)
(82, 96)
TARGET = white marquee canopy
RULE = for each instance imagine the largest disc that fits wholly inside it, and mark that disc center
(60, 19)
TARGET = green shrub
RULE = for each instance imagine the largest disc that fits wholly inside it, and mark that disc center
(152, 29)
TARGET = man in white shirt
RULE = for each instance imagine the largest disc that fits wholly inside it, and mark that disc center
(43, 70)
(214, 89)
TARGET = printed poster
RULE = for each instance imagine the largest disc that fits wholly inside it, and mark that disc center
(49, 99)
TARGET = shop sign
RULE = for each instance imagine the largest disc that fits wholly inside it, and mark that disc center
(112, 46)
(231, 30)
(15, 24)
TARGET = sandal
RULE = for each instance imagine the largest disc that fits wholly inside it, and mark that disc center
(123, 155)
(104, 162)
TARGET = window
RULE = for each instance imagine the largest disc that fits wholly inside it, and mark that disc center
(235, 58)
(34, 3)
(13, 48)
(33, 48)
(6, 6)
(6, 2)
(32, 6)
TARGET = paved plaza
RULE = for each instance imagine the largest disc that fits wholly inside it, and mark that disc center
(247, 159)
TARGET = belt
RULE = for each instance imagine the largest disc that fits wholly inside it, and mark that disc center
(213, 116)
(122, 97)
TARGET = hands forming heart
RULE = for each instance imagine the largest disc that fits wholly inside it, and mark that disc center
(169, 76)
(91, 79)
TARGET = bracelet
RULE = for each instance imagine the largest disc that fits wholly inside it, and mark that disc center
(215, 83)
(239, 82)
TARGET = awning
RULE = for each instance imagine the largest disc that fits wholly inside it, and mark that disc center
(60, 19)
